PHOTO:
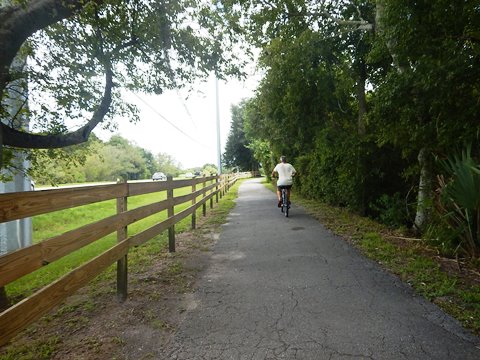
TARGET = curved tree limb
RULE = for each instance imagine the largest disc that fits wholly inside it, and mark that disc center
(19, 139)
(18, 22)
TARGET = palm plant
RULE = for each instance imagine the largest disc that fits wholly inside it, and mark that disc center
(459, 200)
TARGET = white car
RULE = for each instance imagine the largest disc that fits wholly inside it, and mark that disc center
(159, 176)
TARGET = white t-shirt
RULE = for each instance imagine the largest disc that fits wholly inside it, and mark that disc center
(285, 172)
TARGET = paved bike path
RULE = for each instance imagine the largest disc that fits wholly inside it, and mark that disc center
(280, 288)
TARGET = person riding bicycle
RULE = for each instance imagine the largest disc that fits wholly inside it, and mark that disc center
(285, 172)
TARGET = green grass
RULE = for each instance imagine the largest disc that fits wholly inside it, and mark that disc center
(48, 225)
(34, 350)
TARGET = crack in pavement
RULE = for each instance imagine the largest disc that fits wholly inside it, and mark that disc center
(275, 291)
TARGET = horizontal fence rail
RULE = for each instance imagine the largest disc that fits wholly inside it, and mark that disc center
(14, 265)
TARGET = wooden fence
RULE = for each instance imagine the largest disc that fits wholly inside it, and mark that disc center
(21, 262)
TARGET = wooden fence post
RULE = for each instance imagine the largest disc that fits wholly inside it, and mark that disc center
(3, 299)
(170, 212)
(194, 201)
(211, 197)
(216, 189)
(204, 206)
(222, 186)
(122, 264)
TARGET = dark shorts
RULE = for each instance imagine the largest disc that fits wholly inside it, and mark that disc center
(288, 187)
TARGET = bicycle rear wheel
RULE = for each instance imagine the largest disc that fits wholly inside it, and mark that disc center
(284, 202)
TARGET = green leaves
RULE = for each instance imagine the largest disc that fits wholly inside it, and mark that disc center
(149, 45)
(237, 150)
(459, 199)
(464, 187)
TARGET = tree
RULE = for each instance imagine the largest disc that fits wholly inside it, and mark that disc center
(83, 52)
(411, 54)
(150, 163)
(415, 107)
(99, 161)
(237, 153)
(124, 160)
(67, 165)
(167, 164)
(209, 169)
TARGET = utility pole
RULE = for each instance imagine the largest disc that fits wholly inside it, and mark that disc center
(219, 150)
(18, 233)
(15, 234)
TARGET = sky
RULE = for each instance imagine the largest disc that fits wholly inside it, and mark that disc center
(192, 139)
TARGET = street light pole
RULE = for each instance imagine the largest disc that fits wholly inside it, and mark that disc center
(219, 150)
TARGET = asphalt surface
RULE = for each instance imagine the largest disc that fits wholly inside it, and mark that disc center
(286, 288)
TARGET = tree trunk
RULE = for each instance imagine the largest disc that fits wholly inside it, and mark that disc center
(361, 98)
(361, 131)
(380, 30)
(425, 189)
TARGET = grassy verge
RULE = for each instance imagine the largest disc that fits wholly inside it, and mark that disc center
(455, 288)
(72, 330)
(48, 225)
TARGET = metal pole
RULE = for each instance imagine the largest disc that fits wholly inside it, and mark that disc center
(219, 150)
(16, 234)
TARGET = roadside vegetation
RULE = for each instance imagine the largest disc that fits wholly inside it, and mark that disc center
(359, 95)
(98, 161)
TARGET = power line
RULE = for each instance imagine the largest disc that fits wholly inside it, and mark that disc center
(186, 109)
(172, 124)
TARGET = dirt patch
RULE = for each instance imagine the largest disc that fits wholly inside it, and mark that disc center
(93, 324)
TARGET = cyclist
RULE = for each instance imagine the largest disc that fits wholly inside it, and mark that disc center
(285, 172)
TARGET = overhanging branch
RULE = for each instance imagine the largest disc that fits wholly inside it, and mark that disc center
(19, 22)
(20, 139)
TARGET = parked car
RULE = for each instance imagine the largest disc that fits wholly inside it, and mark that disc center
(159, 176)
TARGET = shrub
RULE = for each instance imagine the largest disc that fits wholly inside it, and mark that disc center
(390, 210)
(458, 203)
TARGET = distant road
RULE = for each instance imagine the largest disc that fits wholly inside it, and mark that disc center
(87, 184)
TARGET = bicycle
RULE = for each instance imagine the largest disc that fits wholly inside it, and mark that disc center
(285, 206)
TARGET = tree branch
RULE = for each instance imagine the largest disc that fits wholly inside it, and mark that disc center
(19, 22)
(360, 24)
(20, 139)
(134, 41)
